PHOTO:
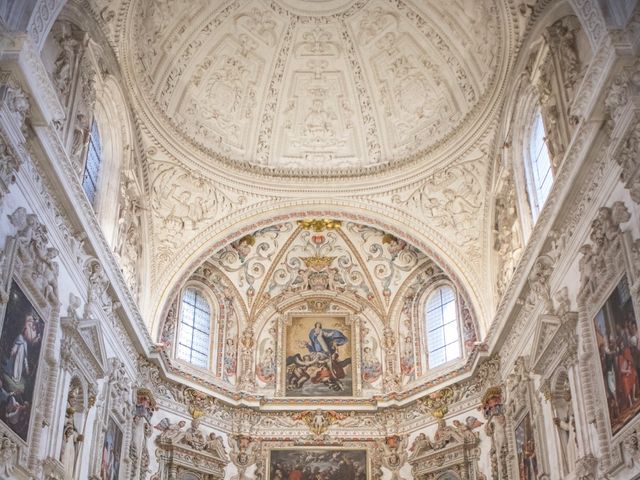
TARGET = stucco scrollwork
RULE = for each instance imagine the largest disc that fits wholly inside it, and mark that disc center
(605, 251)
(35, 256)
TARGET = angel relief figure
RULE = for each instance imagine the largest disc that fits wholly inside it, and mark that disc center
(371, 366)
(420, 444)
(171, 432)
(393, 451)
(243, 452)
(266, 367)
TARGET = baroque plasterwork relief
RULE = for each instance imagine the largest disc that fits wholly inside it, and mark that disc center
(259, 83)
(324, 267)
(285, 258)
(183, 202)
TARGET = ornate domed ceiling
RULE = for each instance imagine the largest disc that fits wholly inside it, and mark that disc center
(320, 269)
(315, 85)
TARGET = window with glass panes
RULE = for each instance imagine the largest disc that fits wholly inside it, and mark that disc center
(195, 328)
(93, 164)
(539, 167)
(443, 332)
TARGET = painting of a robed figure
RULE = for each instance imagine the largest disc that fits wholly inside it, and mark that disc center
(619, 348)
(318, 357)
(526, 450)
(112, 445)
(20, 345)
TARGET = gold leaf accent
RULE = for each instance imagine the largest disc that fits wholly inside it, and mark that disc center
(438, 402)
(318, 263)
(320, 225)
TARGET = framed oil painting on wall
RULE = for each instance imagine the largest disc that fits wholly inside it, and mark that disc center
(332, 464)
(111, 451)
(20, 346)
(318, 356)
(616, 331)
(526, 450)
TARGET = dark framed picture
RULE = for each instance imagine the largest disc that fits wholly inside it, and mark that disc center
(526, 450)
(616, 331)
(318, 353)
(111, 451)
(312, 463)
(20, 347)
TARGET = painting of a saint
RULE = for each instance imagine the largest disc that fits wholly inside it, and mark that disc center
(619, 348)
(318, 357)
(20, 345)
(111, 447)
(318, 463)
(266, 367)
(526, 450)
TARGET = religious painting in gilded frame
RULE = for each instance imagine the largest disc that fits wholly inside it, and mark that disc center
(526, 450)
(334, 464)
(20, 347)
(318, 352)
(616, 332)
(111, 452)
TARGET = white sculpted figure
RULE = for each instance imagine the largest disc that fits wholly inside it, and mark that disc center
(567, 433)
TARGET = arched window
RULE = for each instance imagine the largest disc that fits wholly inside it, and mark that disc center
(538, 166)
(92, 165)
(195, 328)
(443, 331)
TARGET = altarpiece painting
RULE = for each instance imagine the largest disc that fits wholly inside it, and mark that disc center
(619, 349)
(20, 345)
(111, 451)
(526, 450)
(324, 463)
(318, 353)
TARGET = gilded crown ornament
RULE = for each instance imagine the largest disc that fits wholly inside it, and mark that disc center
(320, 225)
(318, 263)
